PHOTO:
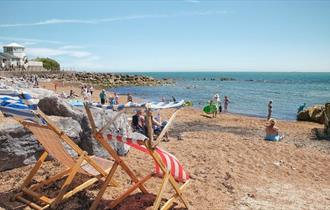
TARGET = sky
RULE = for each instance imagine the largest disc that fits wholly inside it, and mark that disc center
(173, 35)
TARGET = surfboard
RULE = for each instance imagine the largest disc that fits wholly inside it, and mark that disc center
(209, 109)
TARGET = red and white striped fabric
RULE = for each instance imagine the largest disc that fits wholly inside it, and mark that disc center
(169, 160)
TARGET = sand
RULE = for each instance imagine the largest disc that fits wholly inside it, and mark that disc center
(230, 164)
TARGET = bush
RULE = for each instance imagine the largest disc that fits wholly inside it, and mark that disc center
(49, 64)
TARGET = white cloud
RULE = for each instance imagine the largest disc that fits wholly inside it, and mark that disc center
(114, 19)
(53, 52)
(29, 41)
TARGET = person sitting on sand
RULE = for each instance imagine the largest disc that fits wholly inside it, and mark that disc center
(138, 122)
(129, 97)
(73, 94)
(272, 132)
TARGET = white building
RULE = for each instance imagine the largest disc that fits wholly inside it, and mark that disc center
(14, 56)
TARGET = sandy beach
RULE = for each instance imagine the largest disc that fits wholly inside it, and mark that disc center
(230, 165)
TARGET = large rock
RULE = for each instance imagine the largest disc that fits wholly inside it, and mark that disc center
(120, 126)
(18, 147)
(312, 114)
(58, 107)
(71, 128)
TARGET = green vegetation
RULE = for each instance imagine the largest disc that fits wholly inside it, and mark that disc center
(49, 64)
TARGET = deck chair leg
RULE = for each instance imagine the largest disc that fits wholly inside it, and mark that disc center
(178, 191)
(68, 180)
(35, 169)
(133, 177)
(168, 204)
(114, 203)
(104, 186)
(174, 184)
(113, 154)
(161, 190)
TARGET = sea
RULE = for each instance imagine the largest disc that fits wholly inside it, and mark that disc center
(248, 92)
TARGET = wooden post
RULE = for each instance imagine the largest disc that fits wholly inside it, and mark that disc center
(150, 131)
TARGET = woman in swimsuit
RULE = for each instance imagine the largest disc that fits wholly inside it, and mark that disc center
(272, 132)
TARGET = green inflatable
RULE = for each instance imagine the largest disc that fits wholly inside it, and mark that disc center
(211, 108)
(188, 103)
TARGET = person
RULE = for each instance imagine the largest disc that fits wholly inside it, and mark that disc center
(226, 102)
(91, 90)
(270, 109)
(174, 99)
(214, 114)
(217, 101)
(301, 107)
(88, 96)
(138, 122)
(36, 83)
(129, 97)
(71, 93)
(103, 96)
(116, 98)
(272, 132)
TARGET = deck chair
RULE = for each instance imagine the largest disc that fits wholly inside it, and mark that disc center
(167, 166)
(51, 138)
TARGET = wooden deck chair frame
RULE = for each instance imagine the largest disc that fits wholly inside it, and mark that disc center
(167, 176)
(69, 173)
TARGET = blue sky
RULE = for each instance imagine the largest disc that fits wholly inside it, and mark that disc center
(175, 35)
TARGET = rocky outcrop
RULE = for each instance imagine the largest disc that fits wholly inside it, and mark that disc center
(312, 114)
(98, 79)
(18, 147)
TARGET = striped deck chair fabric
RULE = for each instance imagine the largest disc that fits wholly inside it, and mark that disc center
(170, 161)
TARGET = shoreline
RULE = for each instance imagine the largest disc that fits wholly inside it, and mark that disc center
(122, 99)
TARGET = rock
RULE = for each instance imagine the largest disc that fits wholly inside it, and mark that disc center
(120, 126)
(312, 114)
(40, 92)
(18, 146)
(71, 128)
(58, 107)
